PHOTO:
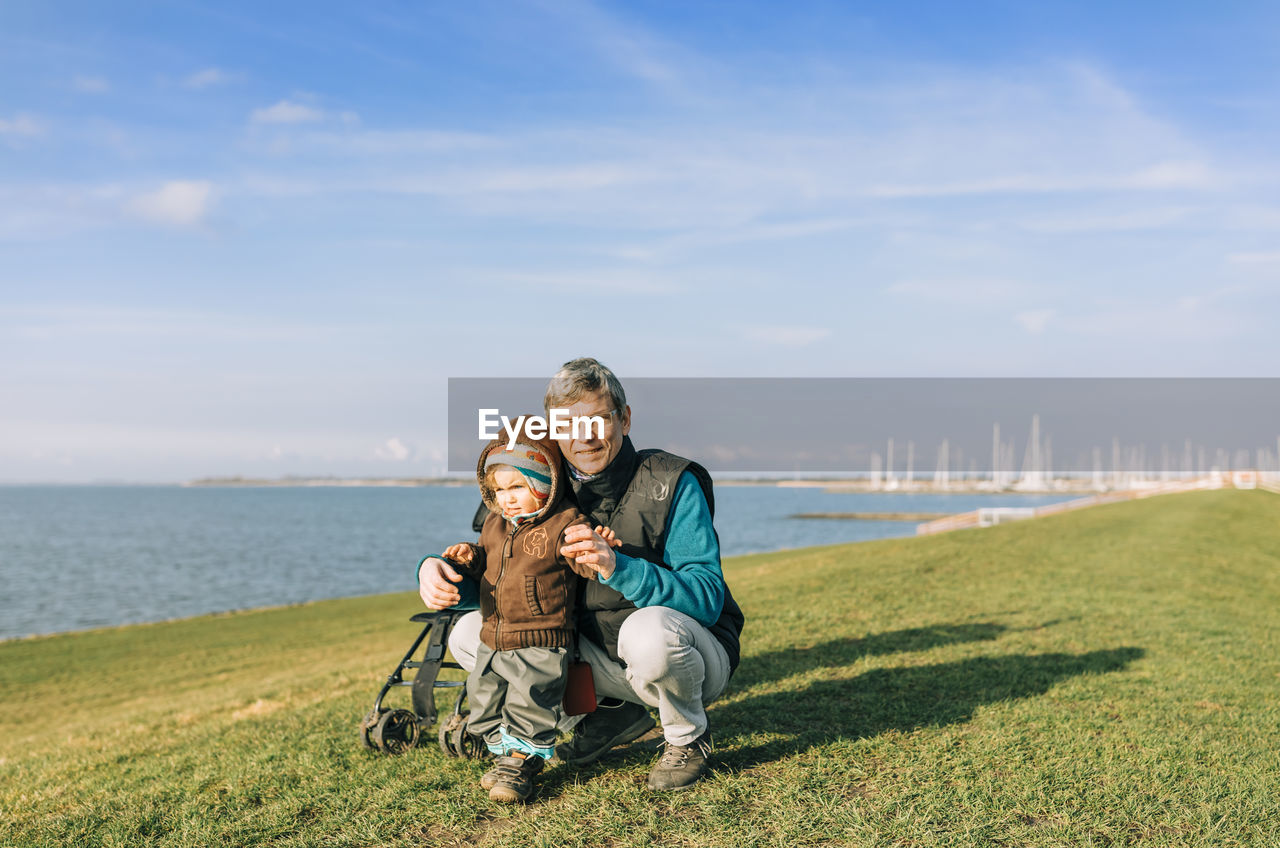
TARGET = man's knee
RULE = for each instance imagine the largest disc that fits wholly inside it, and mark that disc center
(464, 639)
(651, 639)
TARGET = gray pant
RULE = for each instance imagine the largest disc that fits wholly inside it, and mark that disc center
(519, 690)
(673, 663)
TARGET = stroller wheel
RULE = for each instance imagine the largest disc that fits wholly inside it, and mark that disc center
(396, 731)
(367, 724)
(448, 728)
(467, 746)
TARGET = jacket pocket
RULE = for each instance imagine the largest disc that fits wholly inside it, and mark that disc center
(545, 595)
(532, 595)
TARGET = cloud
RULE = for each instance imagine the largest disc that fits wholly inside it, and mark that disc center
(381, 143)
(393, 450)
(1175, 175)
(286, 112)
(21, 124)
(960, 290)
(469, 183)
(627, 46)
(1223, 312)
(61, 458)
(847, 155)
(1105, 221)
(1259, 258)
(206, 78)
(1160, 176)
(181, 203)
(65, 323)
(609, 281)
(1035, 320)
(742, 233)
(1015, 184)
(789, 336)
(91, 85)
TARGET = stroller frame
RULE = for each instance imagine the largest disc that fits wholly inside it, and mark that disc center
(394, 731)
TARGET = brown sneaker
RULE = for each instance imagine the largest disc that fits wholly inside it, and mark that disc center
(681, 766)
(489, 778)
(603, 729)
(512, 777)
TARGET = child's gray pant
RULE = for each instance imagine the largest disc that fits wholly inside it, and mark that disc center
(520, 689)
(673, 663)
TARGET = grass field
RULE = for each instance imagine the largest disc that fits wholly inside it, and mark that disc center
(1103, 677)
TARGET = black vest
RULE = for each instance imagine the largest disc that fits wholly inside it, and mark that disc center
(638, 515)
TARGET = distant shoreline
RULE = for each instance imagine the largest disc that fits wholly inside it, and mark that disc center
(831, 484)
(397, 482)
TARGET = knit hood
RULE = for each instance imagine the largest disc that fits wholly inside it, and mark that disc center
(546, 447)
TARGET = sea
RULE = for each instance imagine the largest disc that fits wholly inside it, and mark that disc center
(80, 557)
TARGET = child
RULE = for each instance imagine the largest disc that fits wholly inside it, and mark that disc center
(527, 596)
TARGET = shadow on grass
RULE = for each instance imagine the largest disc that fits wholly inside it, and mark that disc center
(881, 700)
(902, 699)
(779, 665)
(841, 652)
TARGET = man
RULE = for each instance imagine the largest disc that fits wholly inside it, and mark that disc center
(658, 625)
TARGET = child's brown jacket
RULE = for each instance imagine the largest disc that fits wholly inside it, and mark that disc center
(528, 591)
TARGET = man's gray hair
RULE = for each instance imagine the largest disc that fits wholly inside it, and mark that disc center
(579, 377)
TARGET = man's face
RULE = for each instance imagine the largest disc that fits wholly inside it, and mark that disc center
(591, 456)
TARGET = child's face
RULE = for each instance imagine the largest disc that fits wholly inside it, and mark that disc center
(512, 493)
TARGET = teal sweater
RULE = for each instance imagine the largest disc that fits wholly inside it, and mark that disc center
(693, 582)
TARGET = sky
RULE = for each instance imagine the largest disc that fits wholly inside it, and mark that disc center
(257, 239)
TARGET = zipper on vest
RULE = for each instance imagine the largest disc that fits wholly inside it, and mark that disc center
(502, 567)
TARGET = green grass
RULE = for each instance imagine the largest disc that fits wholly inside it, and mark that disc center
(1105, 677)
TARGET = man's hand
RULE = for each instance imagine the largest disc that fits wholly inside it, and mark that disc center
(435, 584)
(460, 552)
(587, 547)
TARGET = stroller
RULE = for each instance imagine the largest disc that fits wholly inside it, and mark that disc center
(394, 731)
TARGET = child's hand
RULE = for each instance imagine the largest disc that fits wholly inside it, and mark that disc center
(609, 536)
(459, 553)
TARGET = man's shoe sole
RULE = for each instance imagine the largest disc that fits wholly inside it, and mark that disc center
(639, 728)
(653, 788)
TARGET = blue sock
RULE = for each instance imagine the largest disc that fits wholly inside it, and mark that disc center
(511, 743)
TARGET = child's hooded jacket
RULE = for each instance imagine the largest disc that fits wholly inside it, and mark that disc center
(528, 591)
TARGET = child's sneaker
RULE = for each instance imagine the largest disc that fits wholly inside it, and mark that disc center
(511, 778)
(489, 778)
